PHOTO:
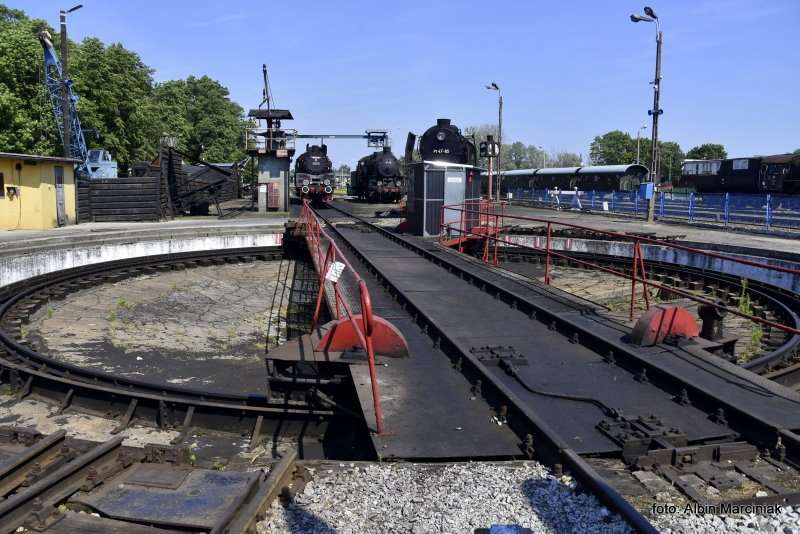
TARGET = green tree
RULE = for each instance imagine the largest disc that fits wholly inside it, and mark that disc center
(671, 157)
(515, 156)
(215, 122)
(118, 99)
(564, 159)
(796, 151)
(707, 151)
(26, 118)
(613, 148)
(115, 87)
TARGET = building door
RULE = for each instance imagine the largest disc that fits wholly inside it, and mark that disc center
(61, 210)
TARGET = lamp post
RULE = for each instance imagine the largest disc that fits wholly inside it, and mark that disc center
(65, 103)
(638, 139)
(650, 16)
(494, 87)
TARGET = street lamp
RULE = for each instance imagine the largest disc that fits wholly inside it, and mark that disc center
(650, 16)
(638, 139)
(494, 87)
(65, 104)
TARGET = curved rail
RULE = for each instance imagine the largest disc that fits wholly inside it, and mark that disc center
(166, 404)
(491, 220)
(782, 304)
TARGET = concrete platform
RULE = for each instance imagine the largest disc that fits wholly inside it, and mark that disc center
(15, 240)
(734, 241)
(27, 253)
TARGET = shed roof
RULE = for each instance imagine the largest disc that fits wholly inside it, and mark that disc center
(280, 114)
(34, 157)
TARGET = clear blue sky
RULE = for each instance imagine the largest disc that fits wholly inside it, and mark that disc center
(569, 70)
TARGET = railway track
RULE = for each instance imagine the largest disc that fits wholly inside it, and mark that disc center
(575, 392)
(778, 350)
(287, 403)
(47, 480)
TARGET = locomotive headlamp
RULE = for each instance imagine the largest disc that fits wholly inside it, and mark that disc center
(399, 183)
(326, 182)
(305, 182)
(440, 136)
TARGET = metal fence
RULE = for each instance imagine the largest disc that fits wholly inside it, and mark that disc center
(766, 211)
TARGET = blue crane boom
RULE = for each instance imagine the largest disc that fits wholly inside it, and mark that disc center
(93, 163)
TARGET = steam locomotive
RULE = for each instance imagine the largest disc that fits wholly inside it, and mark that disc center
(444, 142)
(760, 174)
(313, 174)
(377, 177)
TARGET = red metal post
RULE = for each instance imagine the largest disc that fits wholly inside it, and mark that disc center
(323, 270)
(366, 314)
(462, 222)
(643, 272)
(633, 276)
(547, 257)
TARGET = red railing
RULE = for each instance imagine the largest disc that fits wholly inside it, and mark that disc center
(483, 212)
(328, 257)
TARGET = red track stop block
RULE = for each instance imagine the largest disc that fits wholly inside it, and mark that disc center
(662, 321)
(341, 335)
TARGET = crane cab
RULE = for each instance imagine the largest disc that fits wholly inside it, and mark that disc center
(101, 164)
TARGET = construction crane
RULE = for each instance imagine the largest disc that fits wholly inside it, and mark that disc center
(95, 163)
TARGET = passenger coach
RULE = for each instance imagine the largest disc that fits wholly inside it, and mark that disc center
(589, 178)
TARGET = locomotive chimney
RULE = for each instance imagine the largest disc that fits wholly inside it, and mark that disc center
(442, 122)
(386, 149)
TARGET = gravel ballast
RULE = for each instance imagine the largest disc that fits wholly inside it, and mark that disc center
(423, 498)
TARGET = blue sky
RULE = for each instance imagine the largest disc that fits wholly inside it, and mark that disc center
(569, 70)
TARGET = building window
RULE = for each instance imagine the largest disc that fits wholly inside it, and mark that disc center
(2, 186)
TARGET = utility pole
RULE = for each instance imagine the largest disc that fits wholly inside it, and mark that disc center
(499, 143)
(650, 16)
(65, 103)
(66, 115)
(494, 87)
(656, 111)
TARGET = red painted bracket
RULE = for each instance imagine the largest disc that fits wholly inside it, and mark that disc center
(662, 321)
(340, 335)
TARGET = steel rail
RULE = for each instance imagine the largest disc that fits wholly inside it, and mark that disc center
(748, 423)
(521, 417)
(634, 278)
(777, 297)
(52, 489)
(165, 404)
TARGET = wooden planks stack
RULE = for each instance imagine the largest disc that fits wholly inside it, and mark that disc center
(135, 198)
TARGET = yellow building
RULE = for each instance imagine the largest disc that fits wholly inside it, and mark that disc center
(36, 192)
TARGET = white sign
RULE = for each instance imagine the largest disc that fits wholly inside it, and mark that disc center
(605, 206)
(454, 180)
(262, 188)
(335, 270)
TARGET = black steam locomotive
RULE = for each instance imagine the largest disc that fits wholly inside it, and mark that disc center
(444, 142)
(377, 178)
(760, 174)
(313, 174)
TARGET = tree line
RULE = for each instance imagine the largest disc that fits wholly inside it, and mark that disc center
(118, 99)
(518, 155)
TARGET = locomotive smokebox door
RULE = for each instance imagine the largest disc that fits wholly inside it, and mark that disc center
(432, 185)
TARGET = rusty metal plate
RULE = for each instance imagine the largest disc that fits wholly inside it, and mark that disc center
(199, 501)
(156, 475)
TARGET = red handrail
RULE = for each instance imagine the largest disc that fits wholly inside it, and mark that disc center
(363, 329)
(638, 272)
